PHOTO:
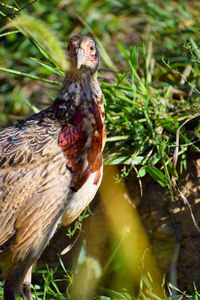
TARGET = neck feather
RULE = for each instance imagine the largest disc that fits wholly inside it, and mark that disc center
(84, 84)
(82, 90)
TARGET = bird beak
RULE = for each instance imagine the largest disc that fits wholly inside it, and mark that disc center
(79, 58)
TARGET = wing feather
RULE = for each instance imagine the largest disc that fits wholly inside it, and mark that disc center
(34, 182)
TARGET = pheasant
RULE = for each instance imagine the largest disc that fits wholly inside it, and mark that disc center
(50, 167)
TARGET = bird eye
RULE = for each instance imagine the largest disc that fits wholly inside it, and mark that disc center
(91, 49)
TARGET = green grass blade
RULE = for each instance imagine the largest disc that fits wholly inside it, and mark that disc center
(18, 73)
(43, 36)
(48, 67)
(157, 175)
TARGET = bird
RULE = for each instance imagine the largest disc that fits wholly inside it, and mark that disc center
(51, 166)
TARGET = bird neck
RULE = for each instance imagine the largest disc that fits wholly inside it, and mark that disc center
(82, 90)
(84, 84)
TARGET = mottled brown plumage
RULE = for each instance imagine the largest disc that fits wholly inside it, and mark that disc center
(50, 167)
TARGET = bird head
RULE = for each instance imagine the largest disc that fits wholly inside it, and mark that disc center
(83, 53)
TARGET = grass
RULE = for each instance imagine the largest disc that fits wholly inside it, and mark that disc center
(150, 81)
(143, 119)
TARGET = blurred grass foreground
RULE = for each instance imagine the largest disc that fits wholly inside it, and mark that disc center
(138, 261)
(131, 251)
(149, 75)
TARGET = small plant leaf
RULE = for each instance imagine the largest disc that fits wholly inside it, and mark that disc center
(142, 171)
(157, 175)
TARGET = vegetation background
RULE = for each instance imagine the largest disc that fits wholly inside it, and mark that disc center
(149, 73)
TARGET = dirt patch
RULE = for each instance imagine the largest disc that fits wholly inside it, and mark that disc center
(174, 238)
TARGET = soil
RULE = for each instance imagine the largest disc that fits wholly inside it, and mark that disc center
(174, 237)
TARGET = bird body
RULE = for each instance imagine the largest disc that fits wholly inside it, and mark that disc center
(50, 167)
